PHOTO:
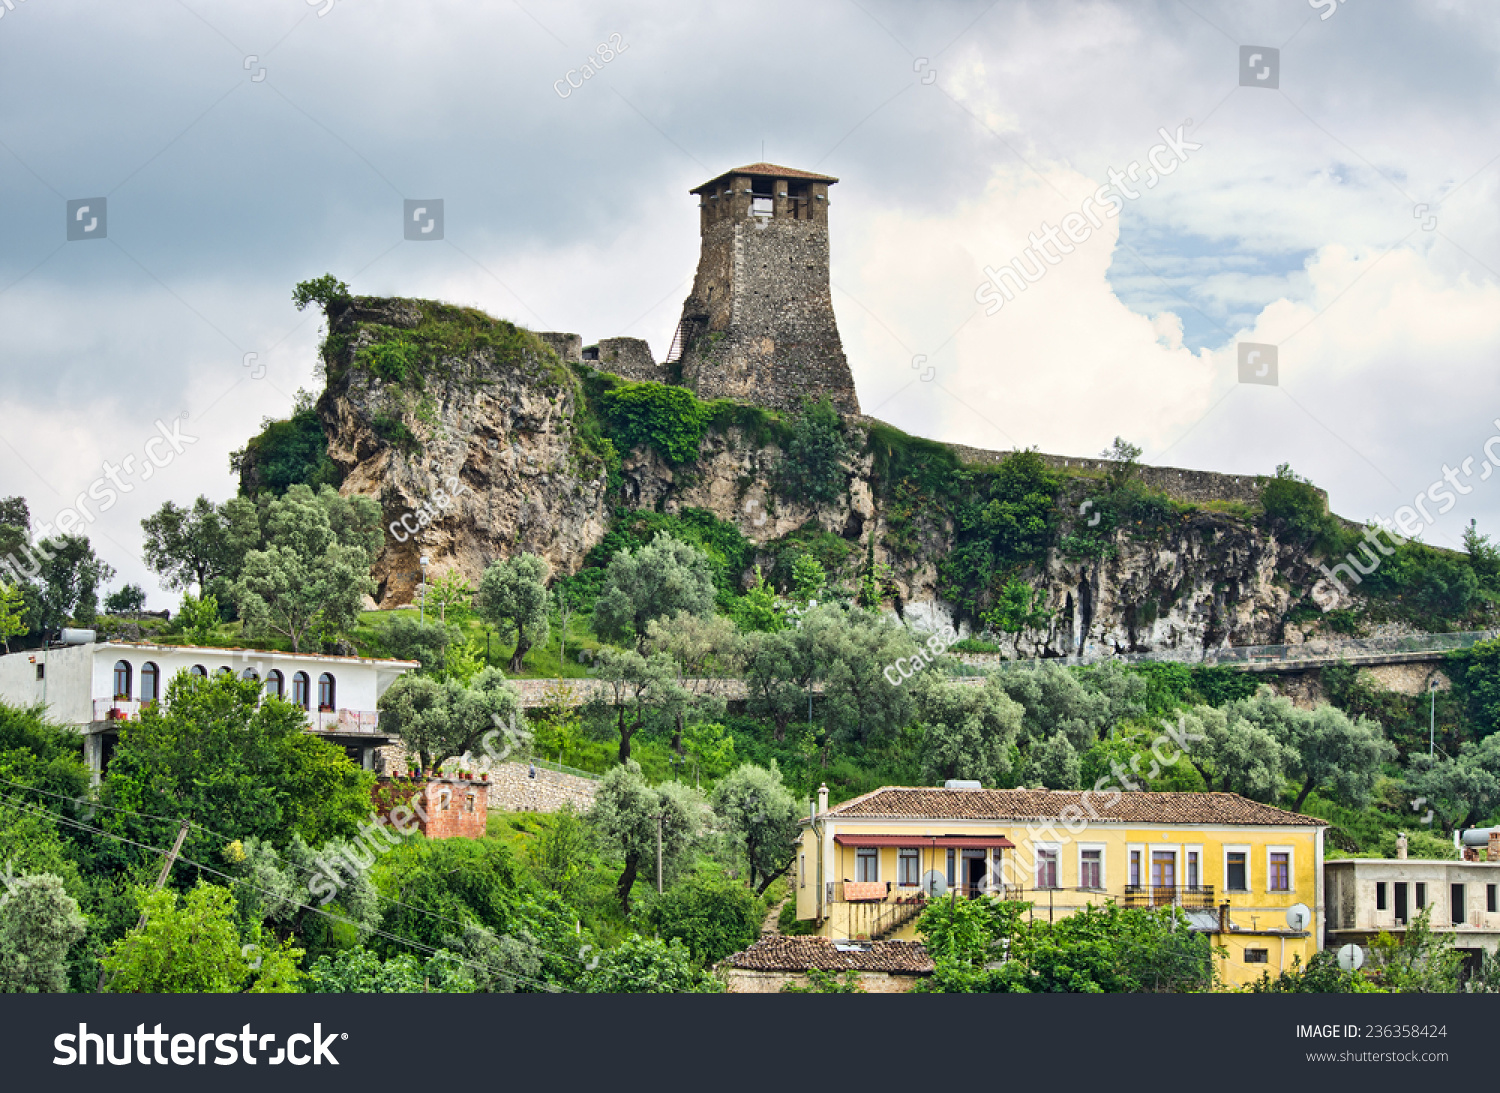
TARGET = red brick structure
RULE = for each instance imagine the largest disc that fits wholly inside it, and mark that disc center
(440, 808)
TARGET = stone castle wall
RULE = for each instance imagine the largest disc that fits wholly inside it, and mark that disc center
(512, 790)
(767, 333)
(630, 358)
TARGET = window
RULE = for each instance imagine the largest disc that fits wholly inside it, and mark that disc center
(908, 868)
(1046, 868)
(1135, 869)
(1380, 895)
(325, 692)
(1257, 956)
(300, 686)
(250, 673)
(1400, 908)
(150, 682)
(1236, 871)
(224, 670)
(950, 875)
(122, 679)
(469, 803)
(1421, 895)
(197, 671)
(802, 872)
(1279, 878)
(1456, 892)
(1489, 898)
(1163, 869)
(275, 683)
(1091, 869)
(41, 671)
(867, 864)
(1193, 874)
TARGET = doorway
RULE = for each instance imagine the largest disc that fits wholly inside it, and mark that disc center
(1400, 887)
(973, 873)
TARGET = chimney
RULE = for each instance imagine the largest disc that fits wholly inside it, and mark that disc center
(1401, 846)
(1224, 917)
(823, 798)
(1493, 853)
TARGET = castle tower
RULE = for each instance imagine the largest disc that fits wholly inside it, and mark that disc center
(759, 326)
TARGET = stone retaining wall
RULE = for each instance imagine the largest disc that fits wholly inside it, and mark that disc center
(511, 790)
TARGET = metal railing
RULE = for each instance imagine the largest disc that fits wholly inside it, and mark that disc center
(1194, 897)
(363, 722)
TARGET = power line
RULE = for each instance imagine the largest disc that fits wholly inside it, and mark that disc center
(549, 987)
(535, 944)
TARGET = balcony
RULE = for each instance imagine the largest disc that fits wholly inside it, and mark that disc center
(344, 722)
(1199, 897)
(116, 709)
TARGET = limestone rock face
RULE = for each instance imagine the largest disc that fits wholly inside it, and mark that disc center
(491, 444)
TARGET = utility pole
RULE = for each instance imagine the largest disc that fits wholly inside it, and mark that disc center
(161, 879)
(659, 816)
(1432, 717)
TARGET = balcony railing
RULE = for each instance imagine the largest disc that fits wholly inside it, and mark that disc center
(1197, 897)
(366, 722)
(116, 709)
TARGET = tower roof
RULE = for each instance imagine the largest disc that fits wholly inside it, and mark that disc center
(764, 170)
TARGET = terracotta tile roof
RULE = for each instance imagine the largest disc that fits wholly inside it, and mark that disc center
(766, 170)
(798, 954)
(921, 802)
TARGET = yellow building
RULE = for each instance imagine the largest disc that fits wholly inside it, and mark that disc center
(1247, 874)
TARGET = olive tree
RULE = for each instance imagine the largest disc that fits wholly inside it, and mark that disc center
(513, 596)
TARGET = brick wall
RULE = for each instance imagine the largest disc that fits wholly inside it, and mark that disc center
(443, 808)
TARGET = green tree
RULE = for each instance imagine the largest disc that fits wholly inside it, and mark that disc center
(758, 609)
(808, 578)
(1018, 608)
(428, 642)
(12, 613)
(451, 592)
(1327, 750)
(711, 915)
(199, 618)
(188, 546)
(128, 599)
(762, 816)
(1419, 962)
(325, 291)
(636, 687)
(219, 753)
(67, 589)
(193, 948)
(705, 650)
(813, 467)
(360, 971)
(313, 572)
(1056, 763)
(561, 855)
(39, 923)
(1124, 459)
(1462, 789)
(630, 815)
(1321, 976)
(1235, 754)
(438, 721)
(513, 596)
(660, 579)
(641, 965)
(967, 732)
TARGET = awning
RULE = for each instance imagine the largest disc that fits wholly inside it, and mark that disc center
(978, 842)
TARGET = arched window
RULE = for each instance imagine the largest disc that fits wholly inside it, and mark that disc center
(197, 671)
(275, 683)
(299, 689)
(250, 673)
(224, 670)
(150, 682)
(122, 679)
(325, 692)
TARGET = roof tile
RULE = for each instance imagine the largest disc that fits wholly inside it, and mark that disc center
(923, 802)
(799, 954)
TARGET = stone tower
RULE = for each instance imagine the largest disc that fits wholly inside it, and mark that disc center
(759, 326)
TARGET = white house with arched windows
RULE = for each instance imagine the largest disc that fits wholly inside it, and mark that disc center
(96, 687)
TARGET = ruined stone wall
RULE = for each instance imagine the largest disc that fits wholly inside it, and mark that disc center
(746, 981)
(631, 358)
(771, 337)
(567, 346)
(512, 790)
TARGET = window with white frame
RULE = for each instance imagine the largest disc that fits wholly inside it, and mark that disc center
(908, 868)
(802, 871)
(1279, 869)
(1091, 867)
(1046, 867)
(867, 864)
(1136, 854)
(1236, 869)
(1192, 867)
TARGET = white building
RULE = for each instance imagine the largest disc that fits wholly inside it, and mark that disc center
(96, 686)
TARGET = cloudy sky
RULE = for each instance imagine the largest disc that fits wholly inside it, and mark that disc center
(1346, 216)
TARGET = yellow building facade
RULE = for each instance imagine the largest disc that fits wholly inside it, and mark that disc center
(1248, 875)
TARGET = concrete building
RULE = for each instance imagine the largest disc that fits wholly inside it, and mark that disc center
(759, 326)
(97, 686)
(1369, 896)
(1243, 872)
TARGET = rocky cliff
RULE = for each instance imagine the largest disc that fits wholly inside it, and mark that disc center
(479, 441)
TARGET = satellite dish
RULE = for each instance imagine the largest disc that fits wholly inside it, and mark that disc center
(1351, 957)
(1298, 915)
(934, 883)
